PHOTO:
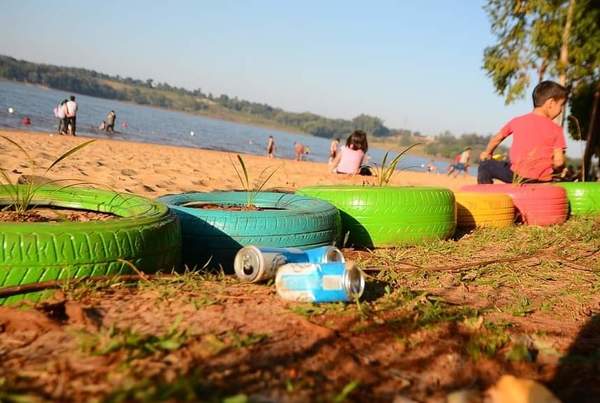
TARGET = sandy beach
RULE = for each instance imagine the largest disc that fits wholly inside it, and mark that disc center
(153, 170)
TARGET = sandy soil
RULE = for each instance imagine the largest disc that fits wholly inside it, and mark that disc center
(430, 323)
(154, 170)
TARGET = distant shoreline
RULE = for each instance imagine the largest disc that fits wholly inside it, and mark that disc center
(233, 118)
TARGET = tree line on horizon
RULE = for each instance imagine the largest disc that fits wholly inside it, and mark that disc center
(149, 92)
(93, 83)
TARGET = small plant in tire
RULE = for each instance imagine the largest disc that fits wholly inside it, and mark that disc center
(21, 196)
(251, 188)
(384, 174)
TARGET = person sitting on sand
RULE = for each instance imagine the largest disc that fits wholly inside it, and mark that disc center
(538, 147)
(298, 150)
(351, 156)
(271, 147)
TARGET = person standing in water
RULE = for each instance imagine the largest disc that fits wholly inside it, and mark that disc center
(299, 150)
(109, 123)
(271, 147)
(71, 114)
(60, 113)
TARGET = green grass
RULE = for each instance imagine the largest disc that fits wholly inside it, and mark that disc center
(477, 313)
(132, 343)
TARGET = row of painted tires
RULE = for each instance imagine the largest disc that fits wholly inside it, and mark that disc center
(379, 217)
(148, 236)
(362, 216)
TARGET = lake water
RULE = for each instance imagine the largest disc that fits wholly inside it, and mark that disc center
(153, 125)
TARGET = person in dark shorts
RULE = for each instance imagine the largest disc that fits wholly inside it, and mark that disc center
(538, 146)
(71, 115)
(109, 123)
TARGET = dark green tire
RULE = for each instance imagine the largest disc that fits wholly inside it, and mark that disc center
(390, 216)
(145, 234)
(584, 197)
(211, 238)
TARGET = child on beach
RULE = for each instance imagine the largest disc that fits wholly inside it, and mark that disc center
(271, 147)
(350, 158)
(461, 163)
(538, 148)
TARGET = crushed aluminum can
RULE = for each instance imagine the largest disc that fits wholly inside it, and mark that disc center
(319, 282)
(253, 264)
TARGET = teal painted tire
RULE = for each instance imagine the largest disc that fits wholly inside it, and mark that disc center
(390, 216)
(212, 237)
(584, 197)
(144, 234)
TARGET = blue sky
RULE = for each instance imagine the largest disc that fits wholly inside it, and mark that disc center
(415, 64)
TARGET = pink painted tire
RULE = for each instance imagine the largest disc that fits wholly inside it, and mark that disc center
(536, 204)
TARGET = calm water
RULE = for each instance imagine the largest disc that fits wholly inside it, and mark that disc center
(152, 125)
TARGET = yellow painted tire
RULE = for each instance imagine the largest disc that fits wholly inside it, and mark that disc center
(475, 209)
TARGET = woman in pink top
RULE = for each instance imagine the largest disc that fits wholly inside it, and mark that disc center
(350, 157)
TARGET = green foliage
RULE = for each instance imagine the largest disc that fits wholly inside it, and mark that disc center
(21, 196)
(252, 189)
(134, 344)
(448, 146)
(529, 38)
(346, 391)
(192, 387)
(487, 341)
(384, 174)
(370, 124)
(519, 352)
(243, 341)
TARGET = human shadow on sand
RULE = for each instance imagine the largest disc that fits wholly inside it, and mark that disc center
(577, 378)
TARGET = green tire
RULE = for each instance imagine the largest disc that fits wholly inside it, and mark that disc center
(145, 234)
(212, 237)
(584, 197)
(390, 216)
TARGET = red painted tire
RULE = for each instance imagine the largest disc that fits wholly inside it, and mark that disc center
(538, 204)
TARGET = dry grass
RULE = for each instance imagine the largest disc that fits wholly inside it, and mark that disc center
(435, 318)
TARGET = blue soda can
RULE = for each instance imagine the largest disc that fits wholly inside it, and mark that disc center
(319, 282)
(253, 264)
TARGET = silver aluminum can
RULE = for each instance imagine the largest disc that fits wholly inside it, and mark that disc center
(253, 264)
(325, 282)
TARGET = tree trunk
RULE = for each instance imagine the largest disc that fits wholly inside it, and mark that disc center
(542, 69)
(592, 145)
(564, 48)
(563, 62)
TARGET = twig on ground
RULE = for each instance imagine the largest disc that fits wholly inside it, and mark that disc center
(142, 276)
(471, 265)
(46, 285)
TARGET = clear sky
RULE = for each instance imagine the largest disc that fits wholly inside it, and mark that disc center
(416, 64)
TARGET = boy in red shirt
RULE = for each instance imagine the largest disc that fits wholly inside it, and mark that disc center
(538, 147)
